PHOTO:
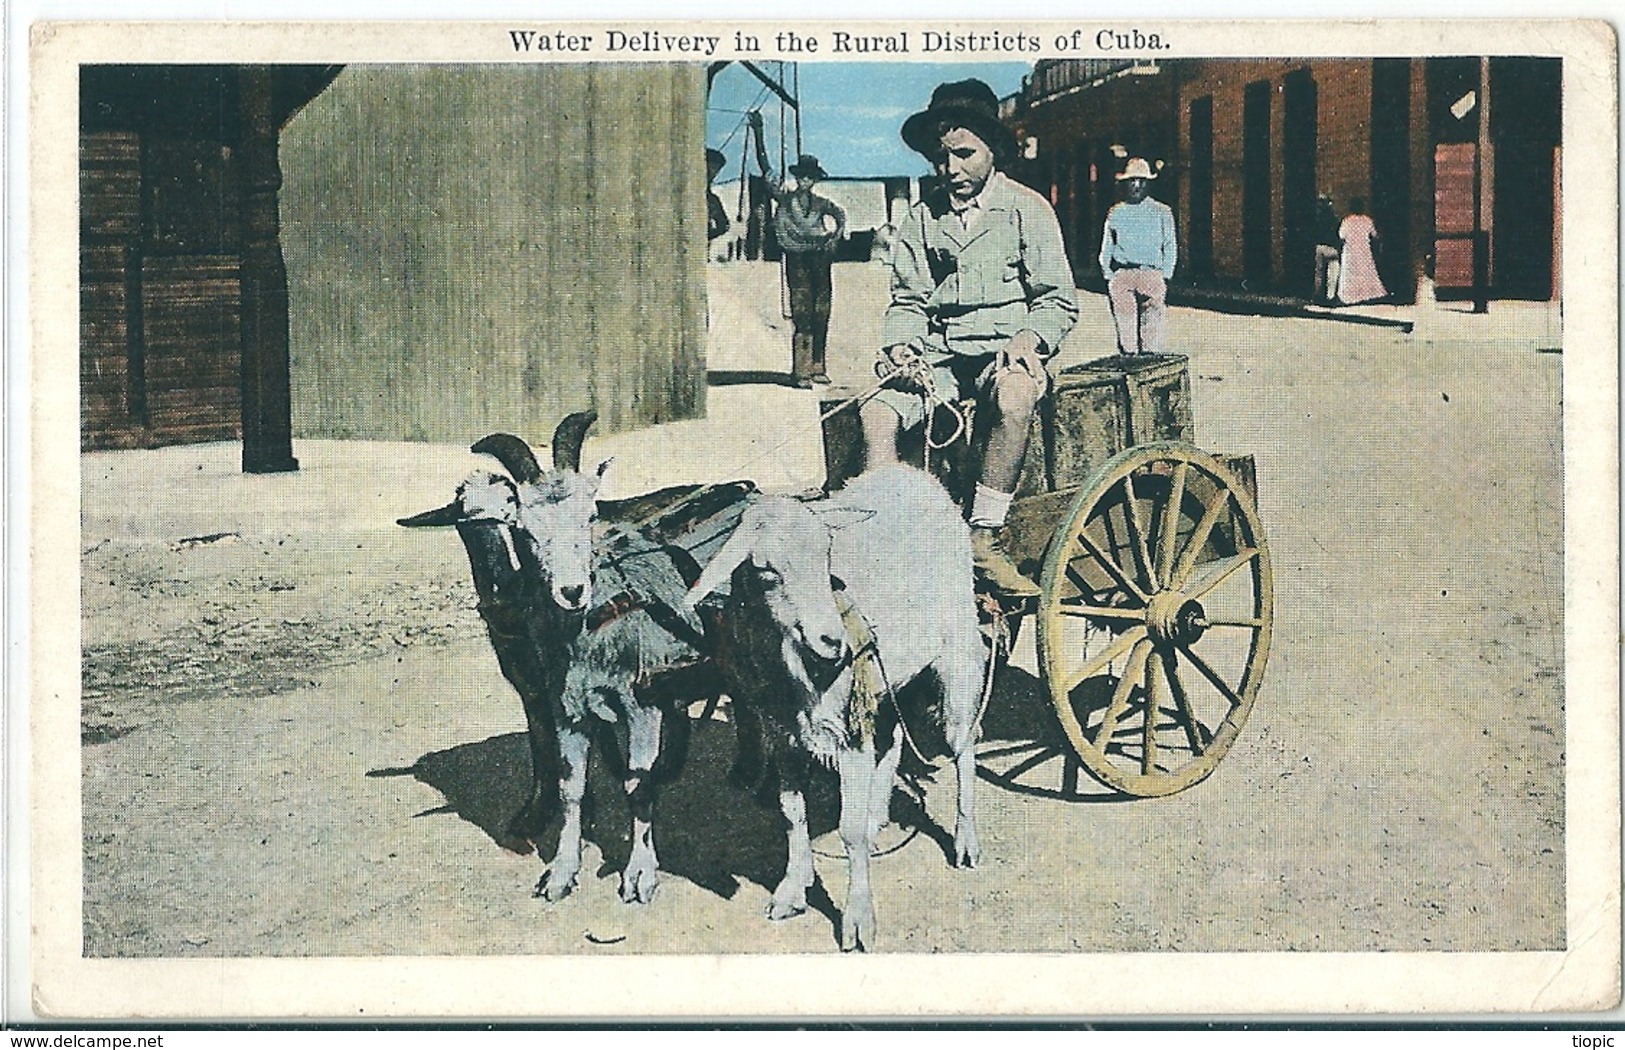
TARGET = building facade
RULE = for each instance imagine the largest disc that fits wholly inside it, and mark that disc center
(1451, 155)
(439, 252)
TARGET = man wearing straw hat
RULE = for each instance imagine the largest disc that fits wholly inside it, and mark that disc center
(1137, 256)
(981, 296)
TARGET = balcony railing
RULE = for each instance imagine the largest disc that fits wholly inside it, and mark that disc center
(1059, 76)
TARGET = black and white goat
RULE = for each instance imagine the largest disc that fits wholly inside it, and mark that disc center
(529, 627)
(821, 660)
(579, 662)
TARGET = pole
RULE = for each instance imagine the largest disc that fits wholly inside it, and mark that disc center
(1481, 177)
(795, 68)
(266, 403)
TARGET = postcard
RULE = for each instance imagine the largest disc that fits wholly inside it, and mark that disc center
(814, 519)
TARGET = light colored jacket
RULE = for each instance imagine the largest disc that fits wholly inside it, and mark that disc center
(1139, 235)
(974, 289)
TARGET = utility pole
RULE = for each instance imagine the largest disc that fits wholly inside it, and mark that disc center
(1483, 190)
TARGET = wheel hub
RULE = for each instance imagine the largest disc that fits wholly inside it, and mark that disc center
(1174, 621)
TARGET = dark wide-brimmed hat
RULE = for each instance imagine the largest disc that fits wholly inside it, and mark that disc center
(807, 167)
(714, 158)
(969, 104)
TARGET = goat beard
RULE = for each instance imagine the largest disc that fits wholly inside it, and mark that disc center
(821, 722)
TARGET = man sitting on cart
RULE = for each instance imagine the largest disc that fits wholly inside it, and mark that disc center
(981, 296)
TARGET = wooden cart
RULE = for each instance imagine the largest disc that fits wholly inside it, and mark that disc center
(1153, 622)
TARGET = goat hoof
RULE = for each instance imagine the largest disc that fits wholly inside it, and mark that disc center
(555, 887)
(857, 934)
(779, 910)
(639, 887)
(967, 853)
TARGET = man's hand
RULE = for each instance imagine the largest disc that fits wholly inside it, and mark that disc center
(898, 362)
(754, 118)
(1022, 352)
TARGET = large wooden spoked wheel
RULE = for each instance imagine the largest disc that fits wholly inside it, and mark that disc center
(1154, 621)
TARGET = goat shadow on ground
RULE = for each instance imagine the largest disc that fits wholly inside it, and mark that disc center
(708, 830)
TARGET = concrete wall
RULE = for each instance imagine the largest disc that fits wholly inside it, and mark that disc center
(479, 248)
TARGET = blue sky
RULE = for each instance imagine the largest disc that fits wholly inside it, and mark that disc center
(850, 111)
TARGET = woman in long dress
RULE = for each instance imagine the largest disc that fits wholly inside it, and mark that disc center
(1357, 279)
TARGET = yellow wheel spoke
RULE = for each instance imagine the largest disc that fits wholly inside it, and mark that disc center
(1182, 704)
(1211, 675)
(1093, 666)
(1132, 674)
(1136, 534)
(1198, 540)
(1074, 607)
(1112, 568)
(1170, 522)
(1214, 573)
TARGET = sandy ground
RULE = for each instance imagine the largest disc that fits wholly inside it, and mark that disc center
(297, 741)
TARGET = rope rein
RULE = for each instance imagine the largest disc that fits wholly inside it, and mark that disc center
(920, 375)
(1000, 641)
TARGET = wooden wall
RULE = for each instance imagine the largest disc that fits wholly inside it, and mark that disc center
(159, 335)
(479, 248)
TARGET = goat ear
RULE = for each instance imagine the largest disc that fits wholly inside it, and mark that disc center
(837, 518)
(836, 583)
(450, 514)
(721, 567)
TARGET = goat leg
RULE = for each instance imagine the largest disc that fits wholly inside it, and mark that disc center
(962, 687)
(790, 897)
(531, 820)
(859, 775)
(880, 799)
(749, 763)
(642, 875)
(560, 877)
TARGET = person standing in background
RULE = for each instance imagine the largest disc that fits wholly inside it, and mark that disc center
(1327, 249)
(1138, 252)
(716, 216)
(1359, 281)
(808, 228)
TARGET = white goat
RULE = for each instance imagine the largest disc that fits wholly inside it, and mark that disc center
(904, 553)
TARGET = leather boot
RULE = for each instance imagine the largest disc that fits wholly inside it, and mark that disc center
(820, 368)
(801, 360)
(995, 567)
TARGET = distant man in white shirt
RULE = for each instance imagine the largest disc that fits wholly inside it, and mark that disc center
(1138, 252)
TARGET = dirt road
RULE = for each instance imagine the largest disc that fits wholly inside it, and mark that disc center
(297, 741)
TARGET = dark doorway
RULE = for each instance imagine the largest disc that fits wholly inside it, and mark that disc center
(1299, 142)
(1199, 231)
(1085, 232)
(1525, 122)
(1256, 232)
(1391, 174)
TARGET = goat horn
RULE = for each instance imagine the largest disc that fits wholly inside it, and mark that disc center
(450, 514)
(567, 439)
(513, 453)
